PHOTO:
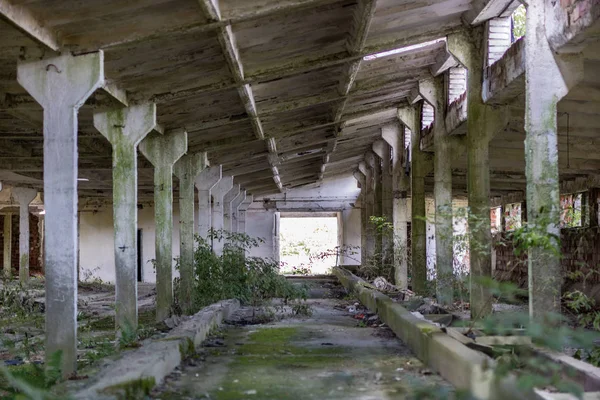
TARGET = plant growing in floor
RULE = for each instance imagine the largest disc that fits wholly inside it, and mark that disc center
(252, 280)
(32, 381)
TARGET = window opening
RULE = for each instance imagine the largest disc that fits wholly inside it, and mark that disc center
(512, 216)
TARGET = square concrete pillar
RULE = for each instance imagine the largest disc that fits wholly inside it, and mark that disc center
(24, 196)
(163, 151)
(383, 151)
(235, 211)
(362, 183)
(205, 181)
(242, 213)
(218, 193)
(228, 209)
(7, 251)
(125, 128)
(61, 85)
(187, 169)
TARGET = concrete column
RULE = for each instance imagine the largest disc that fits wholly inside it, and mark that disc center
(235, 212)
(205, 181)
(374, 163)
(421, 165)
(7, 262)
(163, 151)
(433, 92)
(187, 169)
(228, 209)
(218, 193)
(369, 198)
(548, 77)
(482, 123)
(61, 85)
(242, 213)
(362, 182)
(393, 134)
(125, 128)
(382, 149)
(24, 196)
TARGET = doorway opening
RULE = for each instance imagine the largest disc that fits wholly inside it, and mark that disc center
(308, 242)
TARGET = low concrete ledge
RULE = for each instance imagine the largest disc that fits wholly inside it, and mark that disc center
(463, 367)
(151, 363)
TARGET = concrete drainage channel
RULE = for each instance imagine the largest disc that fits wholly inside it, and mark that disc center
(456, 358)
(140, 370)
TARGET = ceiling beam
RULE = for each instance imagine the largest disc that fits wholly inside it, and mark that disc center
(22, 19)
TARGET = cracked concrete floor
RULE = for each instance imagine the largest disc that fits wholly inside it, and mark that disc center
(325, 356)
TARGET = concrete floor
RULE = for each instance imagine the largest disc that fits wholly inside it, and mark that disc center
(325, 356)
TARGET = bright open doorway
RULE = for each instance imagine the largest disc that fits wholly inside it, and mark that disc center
(308, 242)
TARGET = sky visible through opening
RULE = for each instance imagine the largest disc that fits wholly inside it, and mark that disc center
(304, 240)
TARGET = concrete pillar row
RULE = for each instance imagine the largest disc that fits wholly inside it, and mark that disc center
(125, 128)
(163, 151)
(61, 85)
(235, 210)
(187, 169)
(227, 207)
(382, 149)
(243, 207)
(393, 134)
(206, 180)
(421, 165)
(218, 193)
(24, 196)
(362, 182)
(432, 91)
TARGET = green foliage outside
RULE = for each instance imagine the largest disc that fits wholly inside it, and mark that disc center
(519, 18)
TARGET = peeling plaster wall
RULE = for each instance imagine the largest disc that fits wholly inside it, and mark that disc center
(96, 243)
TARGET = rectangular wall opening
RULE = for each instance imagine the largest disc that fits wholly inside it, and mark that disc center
(308, 243)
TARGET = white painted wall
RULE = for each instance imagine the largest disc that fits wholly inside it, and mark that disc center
(350, 235)
(260, 224)
(96, 243)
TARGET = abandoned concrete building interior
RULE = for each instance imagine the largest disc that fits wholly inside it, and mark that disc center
(455, 141)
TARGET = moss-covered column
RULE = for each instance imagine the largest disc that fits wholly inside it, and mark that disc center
(545, 84)
(393, 134)
(207, 179)
(362, 199)
(369, 198)
(187, 169)
(374, 164)
(7, 251)
(218, 193)
(125, 128)
(24, 196)
(61, 85)
(421, 165)
(433, 91)
(382, 149)
(163, 151)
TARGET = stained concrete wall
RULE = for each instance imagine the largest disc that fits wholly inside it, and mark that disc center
(261, 224)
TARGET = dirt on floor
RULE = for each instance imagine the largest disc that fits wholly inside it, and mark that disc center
(339, 352)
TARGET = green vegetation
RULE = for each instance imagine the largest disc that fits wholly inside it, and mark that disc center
(252, 280)
(519, 18)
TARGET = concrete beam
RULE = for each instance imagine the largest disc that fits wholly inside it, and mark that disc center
(61, 85)
(484, 10)
(187, 169)
(163, 151)
(24, 20)
(124, 129)
(24, 196)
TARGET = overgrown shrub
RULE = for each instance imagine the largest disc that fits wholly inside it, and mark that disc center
(233, 275)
